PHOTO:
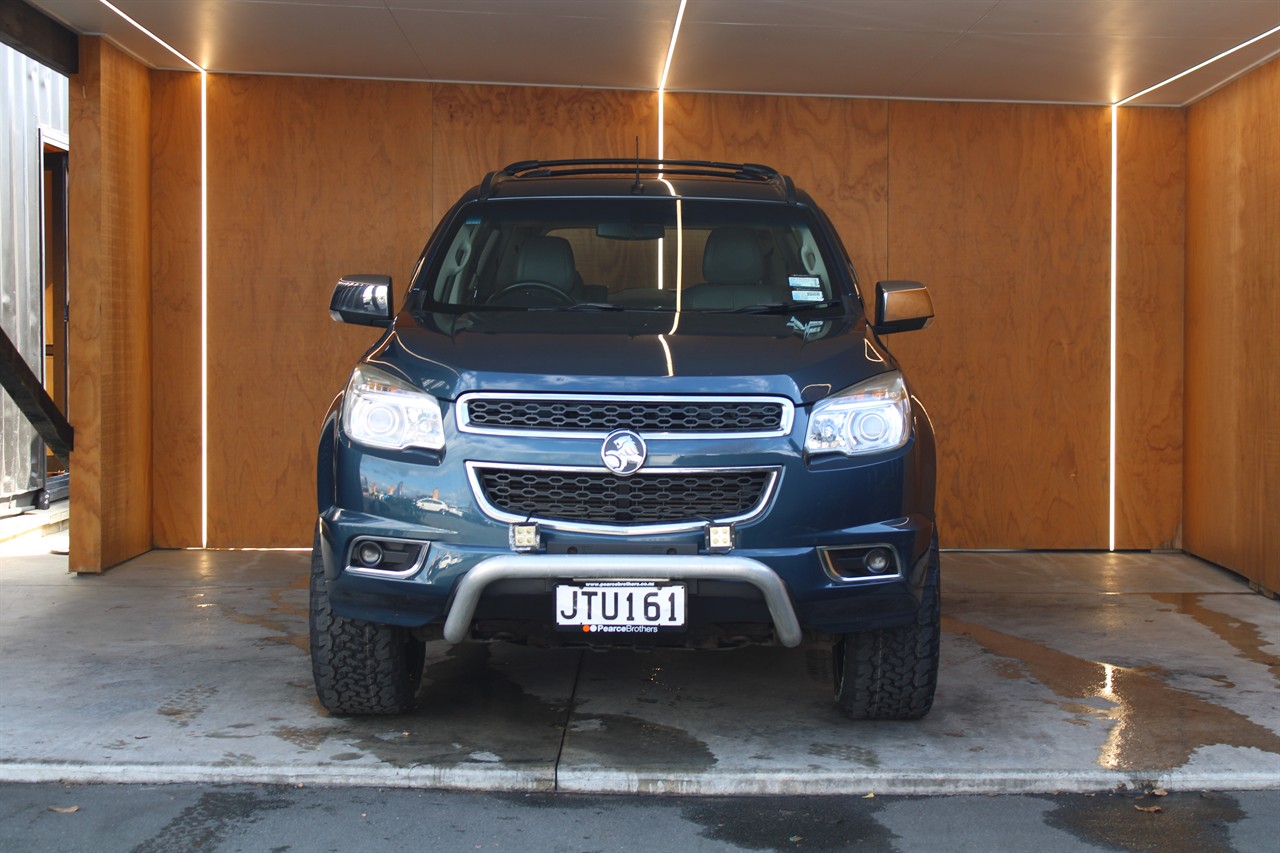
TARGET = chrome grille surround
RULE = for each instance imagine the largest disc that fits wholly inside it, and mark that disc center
(598, 481)
(597, 415)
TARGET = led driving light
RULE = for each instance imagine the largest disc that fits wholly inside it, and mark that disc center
(720, 538)
(525, 538)
(384, 411)
(870, 417)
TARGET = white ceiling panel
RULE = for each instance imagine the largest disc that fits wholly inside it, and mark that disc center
(1152, 19)
(90, 17)
(884, 15)
(619, 51)
(1007, 67)
(282, 38)
(1196, 85)
(1057, 51)
(805, 60)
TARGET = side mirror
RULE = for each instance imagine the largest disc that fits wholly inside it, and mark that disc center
(902, 306)
(363, 300)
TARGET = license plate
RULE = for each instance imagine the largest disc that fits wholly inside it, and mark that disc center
(620, 607)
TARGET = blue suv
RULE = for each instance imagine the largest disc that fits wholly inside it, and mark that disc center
(628, 403)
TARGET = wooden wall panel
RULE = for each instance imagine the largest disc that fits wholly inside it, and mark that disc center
(837, 149)
(1003, 211)
(109, 295)
(482, 128)
(1150, 240)
(175, 309)
(1232, 458)
(308, 179)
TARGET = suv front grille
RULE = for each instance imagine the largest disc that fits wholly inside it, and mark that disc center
(695, 417)
(684, 498)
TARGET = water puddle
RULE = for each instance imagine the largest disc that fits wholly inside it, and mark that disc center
(470, 711)
(641, 746)
(1245, 637)
(287, 617)
(1155, 726)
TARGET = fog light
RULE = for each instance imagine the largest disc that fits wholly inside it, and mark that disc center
(878, 561)
(524, 538)
(369, 553)
(386, 558)
(861, 563)
(720, 538)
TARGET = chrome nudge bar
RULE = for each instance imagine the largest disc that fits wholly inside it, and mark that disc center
(620, 567)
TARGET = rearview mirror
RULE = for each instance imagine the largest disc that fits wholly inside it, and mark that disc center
(902, 306)
(363, 300)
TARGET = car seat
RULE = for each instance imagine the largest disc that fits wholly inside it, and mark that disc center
(732, 271)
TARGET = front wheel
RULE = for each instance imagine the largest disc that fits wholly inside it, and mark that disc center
(359, 667)
(891, 673)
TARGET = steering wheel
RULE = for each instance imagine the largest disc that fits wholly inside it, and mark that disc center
(534, 288)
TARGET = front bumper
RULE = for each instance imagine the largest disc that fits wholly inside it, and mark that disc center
(635, 567)
(824, 503)
(785, 589)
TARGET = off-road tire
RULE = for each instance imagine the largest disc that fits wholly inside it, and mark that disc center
(891, 673)
(359, 667)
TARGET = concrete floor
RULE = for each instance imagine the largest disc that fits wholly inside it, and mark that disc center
(1060, 672)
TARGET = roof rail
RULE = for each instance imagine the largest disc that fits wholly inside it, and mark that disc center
(632, 166)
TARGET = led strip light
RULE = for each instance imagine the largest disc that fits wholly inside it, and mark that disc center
(662, 81)
(1111, 311)
(204, 267)
(1115, 166)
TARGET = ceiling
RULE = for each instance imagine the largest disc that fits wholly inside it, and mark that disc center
(1057, 51)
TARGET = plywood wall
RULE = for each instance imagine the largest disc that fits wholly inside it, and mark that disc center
(837, 149)
(481, 128)
(308, 179)
(1150, 241)
(1003, 211)
(1000, 180)
(1000, 209)
(110, 299)
(175, 309)
(1232, 460)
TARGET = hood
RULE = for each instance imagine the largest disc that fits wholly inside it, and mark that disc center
(638, 353)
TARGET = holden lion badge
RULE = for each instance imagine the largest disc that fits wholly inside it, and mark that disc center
(623, 452)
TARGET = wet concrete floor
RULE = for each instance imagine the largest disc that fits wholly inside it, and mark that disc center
(1060, 672)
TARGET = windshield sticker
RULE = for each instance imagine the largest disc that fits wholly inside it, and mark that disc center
(806, 288)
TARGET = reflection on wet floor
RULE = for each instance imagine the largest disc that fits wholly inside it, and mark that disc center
(1246, 638)
(1156, 726)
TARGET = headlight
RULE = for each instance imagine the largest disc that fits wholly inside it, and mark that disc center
(870, 417)
(384, 411)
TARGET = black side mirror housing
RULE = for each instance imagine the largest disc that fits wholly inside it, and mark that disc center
(902, 306)
(363, 300)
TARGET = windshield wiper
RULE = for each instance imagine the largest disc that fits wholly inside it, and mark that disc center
(579, 306)
(774, 307)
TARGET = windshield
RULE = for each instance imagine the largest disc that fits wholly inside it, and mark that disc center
(641, 254)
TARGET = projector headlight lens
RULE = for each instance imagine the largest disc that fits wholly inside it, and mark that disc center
(871, 417)
(384, 411)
